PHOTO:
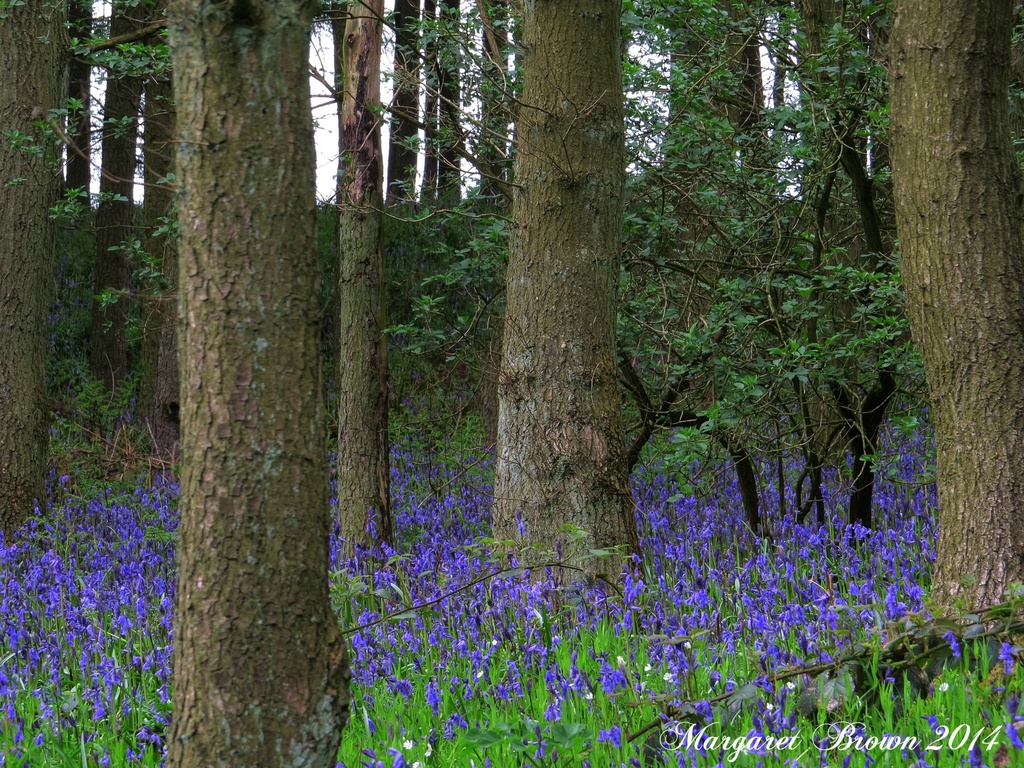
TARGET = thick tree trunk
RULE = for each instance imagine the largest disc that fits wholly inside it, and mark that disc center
(402, 153)
(958, 203)
(363, 463)
(33, 62)
(160, 343)
(560, 441)
(260, 669)
(78, 172)
(108, 352)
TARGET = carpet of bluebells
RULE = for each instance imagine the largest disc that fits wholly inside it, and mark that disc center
(503, 666)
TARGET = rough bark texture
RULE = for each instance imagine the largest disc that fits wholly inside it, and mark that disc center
(560, 441)
(108, 350)
(32, 59)
(160, 342)
(958, 203)
(78, 170)
(363, 462)
(260, 669)
(402, 153)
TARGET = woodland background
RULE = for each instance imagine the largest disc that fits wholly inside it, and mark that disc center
(665, 368)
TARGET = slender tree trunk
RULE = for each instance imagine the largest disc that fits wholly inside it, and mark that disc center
(34, 65)
(863, 421)
(402, 154)
(78, 172)
(958, 204)
(745, 54)
(560, 440)
(746, 478)
(495, 101)
(449, 174)
(108, 353)
(363, 463)
(490, 372)
(160, 342)
(431, 114)
(492, 162)
(260, 669)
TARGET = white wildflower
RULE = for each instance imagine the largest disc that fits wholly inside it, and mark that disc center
(408, 744)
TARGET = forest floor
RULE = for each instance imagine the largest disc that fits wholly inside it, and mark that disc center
(498, 660)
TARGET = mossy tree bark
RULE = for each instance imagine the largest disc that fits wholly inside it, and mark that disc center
(560, 441)
(108, 349)
(958, 201)
(364, 473)
(33, 60)
(260, 669)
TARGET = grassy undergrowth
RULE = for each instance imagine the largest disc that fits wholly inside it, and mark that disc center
(466, 655)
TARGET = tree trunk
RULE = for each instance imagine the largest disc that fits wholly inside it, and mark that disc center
(560, 441)
(863, 421)
(745, 60)
(492, 163)
(160, 342)
(78, 172)
(449, 173)
(495, 94)
(490, 371)
(108, 352)
(33, 60)
(958, 201)
(260, 669)
(746, 479)
(363, 463)
(402, 153)
(431, 104)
